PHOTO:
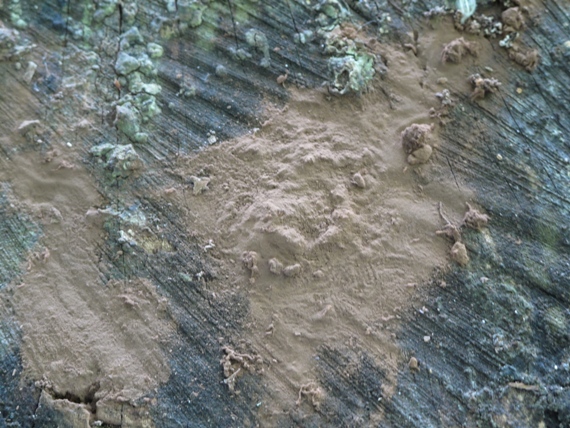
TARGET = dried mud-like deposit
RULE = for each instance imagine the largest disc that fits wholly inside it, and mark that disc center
(84, 339)
(317, 215)
(325, 218)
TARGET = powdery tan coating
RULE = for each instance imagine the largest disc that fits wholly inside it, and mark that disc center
(304, 160)
(314, 392)
(529, 59)
(233, 363)
(73, 414)
(292, 270)
(78, 331)
(287, 193)
(358, 180)
(414, 141)
(199, 184)
(420, 155)
(249, 259)
(415, 136)
(275, 266)
(475, 219)
(459, 254)
(483, 86)
(513, 20)
(414, 364)
(455, 50)
(451, 231)
(80, 335)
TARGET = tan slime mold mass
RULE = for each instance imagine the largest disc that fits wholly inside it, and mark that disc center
(459, 253)
(455, 50)
(314, 215)
(414, 141)
(80, 336)
(513, 19)
(340, 229)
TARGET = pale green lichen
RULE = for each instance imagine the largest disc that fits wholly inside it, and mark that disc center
(351, 66)
(12, 46)
(105, 9)
(258, 40)
(141, 137)
(127, 119)
(330, 13)
(240, 54)
(304, 37)
(190, 13)
(131, 37)
(126, 64)
(199, 184)
(130, 9)
(147, 66)
(154, 50)
(8, 39)
(121, 160)
(15, 8)
(351, 72)
(167, 28)
(137, 85)
(135, 231)
(384, 22)
(147, 105)
(187, 90)
(132, 215)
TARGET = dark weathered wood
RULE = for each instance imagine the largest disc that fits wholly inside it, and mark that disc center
(464, 380)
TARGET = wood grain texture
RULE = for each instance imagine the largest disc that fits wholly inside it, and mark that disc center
(512, 326)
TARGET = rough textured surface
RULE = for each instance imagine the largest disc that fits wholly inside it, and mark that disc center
(498, 329)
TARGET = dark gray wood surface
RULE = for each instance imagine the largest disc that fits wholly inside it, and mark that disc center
(463, 381)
